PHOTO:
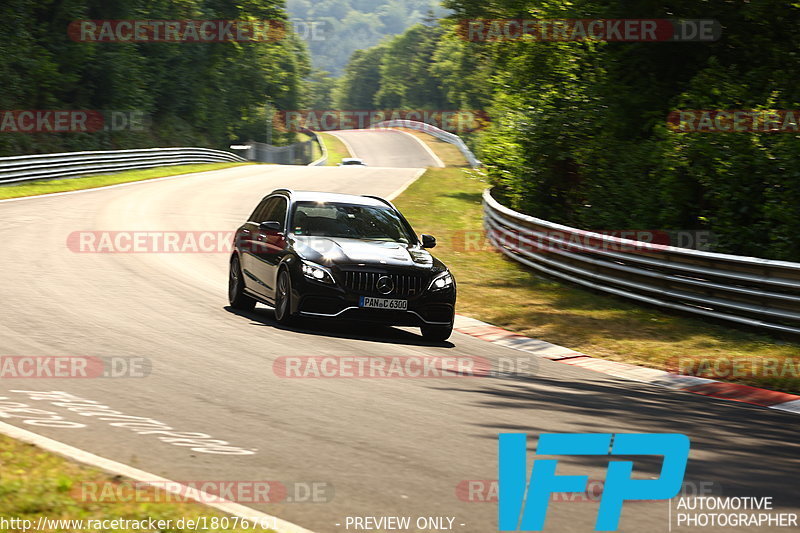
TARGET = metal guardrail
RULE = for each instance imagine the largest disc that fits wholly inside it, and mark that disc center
(300, 153)
(755, 292)
(47, 166)
(434, 131)
(323, 159)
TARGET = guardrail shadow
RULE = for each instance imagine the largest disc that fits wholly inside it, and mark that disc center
(747, 450)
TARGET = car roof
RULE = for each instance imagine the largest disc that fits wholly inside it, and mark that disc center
(351, 159)
(316, 196)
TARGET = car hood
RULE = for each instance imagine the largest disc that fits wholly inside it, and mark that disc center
(342, 252)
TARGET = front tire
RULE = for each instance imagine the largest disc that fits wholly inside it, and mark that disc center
(283, 298)
(436, 333)
(236, 296)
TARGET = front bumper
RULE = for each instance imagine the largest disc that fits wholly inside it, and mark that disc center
(314, 299)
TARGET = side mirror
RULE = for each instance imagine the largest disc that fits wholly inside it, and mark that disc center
(270, 227)
(428, 241)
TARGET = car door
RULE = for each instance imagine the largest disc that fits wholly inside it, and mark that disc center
(248, 244)
(270, 245)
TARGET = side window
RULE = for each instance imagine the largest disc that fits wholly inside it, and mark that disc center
(277, 210)
(265, 214)
(271, 209)
(260, 210)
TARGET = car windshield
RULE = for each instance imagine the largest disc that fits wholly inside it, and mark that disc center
(352, 162)
(349, 221)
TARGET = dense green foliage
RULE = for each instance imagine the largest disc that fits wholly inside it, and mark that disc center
(206, 94)
(357, 88)
(334, 29)
(578, 129)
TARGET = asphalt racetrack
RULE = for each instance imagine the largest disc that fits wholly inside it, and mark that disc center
(380, 447)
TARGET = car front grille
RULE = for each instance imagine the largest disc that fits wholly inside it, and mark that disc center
(366, 283)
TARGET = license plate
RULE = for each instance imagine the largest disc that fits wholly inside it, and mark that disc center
(383, 303)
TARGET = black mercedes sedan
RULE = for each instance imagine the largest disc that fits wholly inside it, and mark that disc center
(340, 256)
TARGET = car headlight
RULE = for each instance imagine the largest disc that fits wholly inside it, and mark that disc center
(442, 281)
(317, 272)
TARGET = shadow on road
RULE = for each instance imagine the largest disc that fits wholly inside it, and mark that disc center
(744, 450)
(340, 329)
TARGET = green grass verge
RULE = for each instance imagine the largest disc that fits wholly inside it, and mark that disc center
(40, 484)
(447, 203)
(33, 188)
(336, 149)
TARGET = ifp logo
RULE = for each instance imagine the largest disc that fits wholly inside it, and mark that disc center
(513, 500)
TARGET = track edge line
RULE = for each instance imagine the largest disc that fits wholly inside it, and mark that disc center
(253, 516)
